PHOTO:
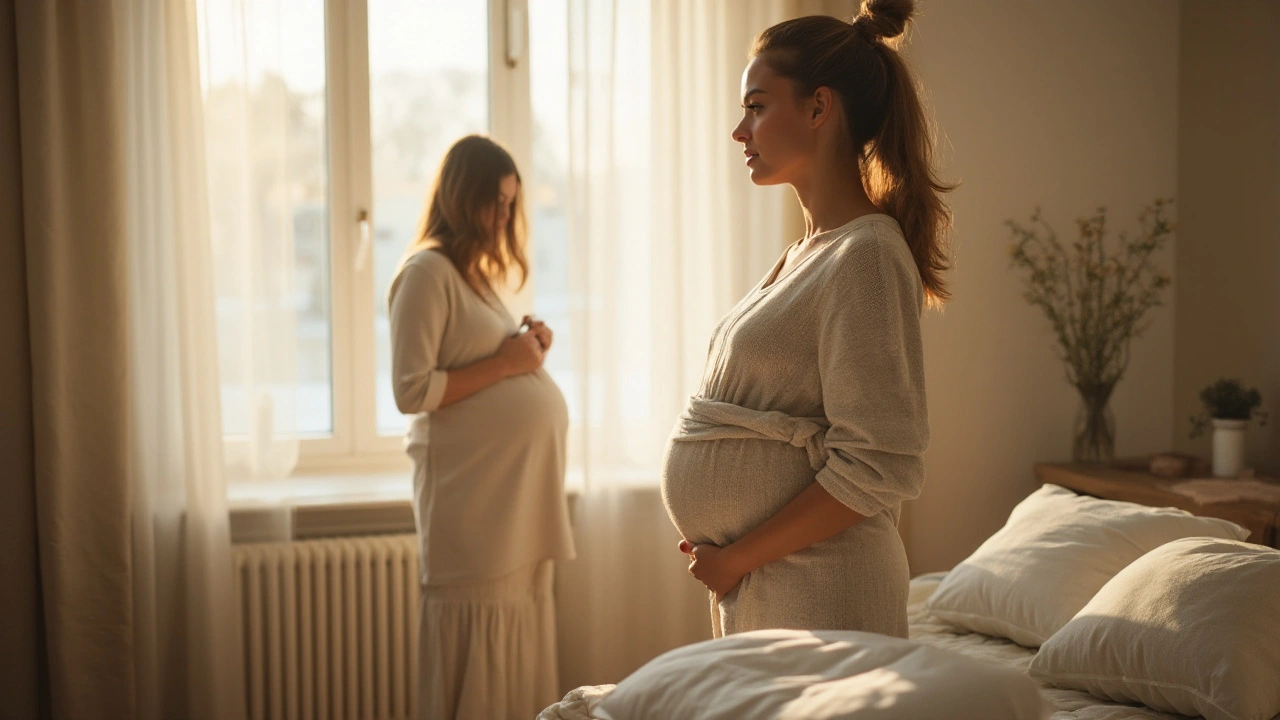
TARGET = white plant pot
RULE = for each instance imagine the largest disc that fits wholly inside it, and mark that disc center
(1228, 447)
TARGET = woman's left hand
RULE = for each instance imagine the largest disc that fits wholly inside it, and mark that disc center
(713, 566)
(540, 330)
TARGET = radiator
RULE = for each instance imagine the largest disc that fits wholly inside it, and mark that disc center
(330, 628)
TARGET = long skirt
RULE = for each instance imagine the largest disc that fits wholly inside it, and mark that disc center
(487, 650)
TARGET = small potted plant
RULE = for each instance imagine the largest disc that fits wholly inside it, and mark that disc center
(1228, 407)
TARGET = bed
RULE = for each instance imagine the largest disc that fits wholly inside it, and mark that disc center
(1079, 608)
(925, 628)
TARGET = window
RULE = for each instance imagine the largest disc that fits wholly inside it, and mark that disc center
(428, 86)
(547, 189)
(344, 110)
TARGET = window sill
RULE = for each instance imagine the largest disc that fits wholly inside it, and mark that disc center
(306, 507)
(307, 489)
(342, 504)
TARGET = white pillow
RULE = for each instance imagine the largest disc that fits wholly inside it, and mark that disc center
(1056, 550)
(1192, 627)
(828, 674)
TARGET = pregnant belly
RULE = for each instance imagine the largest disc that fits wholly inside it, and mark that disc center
(523, 412)
(719, 490)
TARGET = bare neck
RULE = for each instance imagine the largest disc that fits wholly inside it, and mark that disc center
(831, 195)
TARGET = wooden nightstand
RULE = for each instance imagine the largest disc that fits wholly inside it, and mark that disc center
(1261, 518)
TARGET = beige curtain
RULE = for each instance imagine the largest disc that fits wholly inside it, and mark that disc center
(21, 676)
(71, 116)
(129, 606)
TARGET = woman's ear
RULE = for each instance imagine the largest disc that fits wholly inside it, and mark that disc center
(821, 106)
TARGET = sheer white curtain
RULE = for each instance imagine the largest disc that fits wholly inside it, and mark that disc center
(212, 297)
(254, 186)
(665, 234)
(187, 653)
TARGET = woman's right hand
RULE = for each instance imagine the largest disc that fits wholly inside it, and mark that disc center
(521, 354)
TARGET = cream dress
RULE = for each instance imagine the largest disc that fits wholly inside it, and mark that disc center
(488, 500)
(816, 375)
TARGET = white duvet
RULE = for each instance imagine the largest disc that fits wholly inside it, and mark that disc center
(585, 703)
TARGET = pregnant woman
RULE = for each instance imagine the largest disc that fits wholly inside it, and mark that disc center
(787, 471)
(488, 445)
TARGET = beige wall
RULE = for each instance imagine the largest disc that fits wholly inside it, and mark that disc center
(1228, 294)
(1066, 105)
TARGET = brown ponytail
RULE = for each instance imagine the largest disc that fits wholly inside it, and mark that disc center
(860, 62)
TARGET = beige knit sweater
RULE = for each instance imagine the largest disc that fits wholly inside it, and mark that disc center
(816, 375)
(489, 469)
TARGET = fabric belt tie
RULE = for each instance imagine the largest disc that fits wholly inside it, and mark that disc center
(705, 419)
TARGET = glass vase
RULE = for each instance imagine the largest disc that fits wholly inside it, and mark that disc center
(1094, 439)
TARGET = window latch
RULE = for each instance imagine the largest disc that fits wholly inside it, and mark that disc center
(362, 250)
(515, 32)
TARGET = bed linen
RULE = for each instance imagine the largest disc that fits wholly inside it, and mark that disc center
(583, 703)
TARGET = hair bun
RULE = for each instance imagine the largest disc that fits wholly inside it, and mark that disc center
(884, 19)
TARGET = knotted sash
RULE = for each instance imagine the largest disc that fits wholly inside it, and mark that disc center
(707, 419)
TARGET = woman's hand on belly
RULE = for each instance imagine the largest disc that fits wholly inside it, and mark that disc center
(713, 566)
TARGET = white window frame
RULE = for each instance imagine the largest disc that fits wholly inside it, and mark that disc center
(355, 445)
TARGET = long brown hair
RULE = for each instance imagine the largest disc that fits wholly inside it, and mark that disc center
(467, 187)
(860, 62)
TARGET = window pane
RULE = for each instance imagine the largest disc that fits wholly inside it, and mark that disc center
(263, 70)
(548, 188)
(428, 86)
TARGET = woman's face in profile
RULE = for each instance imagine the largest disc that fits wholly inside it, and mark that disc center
(498, 215)
(774, 133)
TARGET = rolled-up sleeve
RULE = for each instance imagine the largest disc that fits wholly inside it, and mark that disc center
(871, 364)
(419, 313)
